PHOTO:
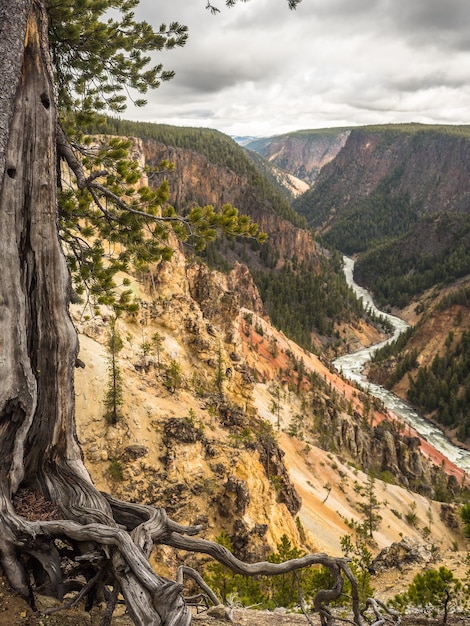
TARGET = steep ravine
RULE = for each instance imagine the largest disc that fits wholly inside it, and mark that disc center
(427, 165)
(184, 451)
(195, 180)
(200, 456)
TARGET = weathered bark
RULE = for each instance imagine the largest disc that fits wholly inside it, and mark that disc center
(12, 32)
(38, 444)
(38, 349)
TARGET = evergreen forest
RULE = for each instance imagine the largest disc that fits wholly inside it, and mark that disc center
(435, 252)
(442, 391)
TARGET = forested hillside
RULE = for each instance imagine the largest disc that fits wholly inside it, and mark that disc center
(399, 195)
(210, 168)
(436, 251)
(216, 147)
(430, 364)
(398, 198)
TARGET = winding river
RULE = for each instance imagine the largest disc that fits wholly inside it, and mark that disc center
(352, 366)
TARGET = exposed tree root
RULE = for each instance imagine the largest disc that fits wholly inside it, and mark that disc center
(117, 554)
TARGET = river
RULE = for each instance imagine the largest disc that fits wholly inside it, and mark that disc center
(352, 365)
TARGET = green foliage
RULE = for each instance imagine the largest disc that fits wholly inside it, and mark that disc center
(268, 592)
(411, 516)
(304, 298)
(115, 470)
(321, 292)
(113, 400)
(408, 241)
(366, 224)
(435, 251)
(392, 362)
(231, 3)
(443, 388)
(430, 590)
(100, 52)
(283, 589)
(460, 296)
(369, 507)
(108, 227)
(361, 560)
(218, 149)
(226, 584)
(220, 373)
(157, 344)
(109, 223)
(465, 515)
(394, 348)
(173, 376)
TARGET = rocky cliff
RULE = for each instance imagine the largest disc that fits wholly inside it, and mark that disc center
(228, 423)
(197, 180)
(187, 438)
(302, 153)
(428, 165)
(210, 168)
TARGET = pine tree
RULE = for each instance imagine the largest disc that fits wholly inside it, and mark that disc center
(370, 507)
(113, 400)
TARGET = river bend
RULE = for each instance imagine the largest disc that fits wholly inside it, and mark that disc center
(352, 367)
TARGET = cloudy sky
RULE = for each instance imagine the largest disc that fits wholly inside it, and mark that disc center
(260, 69)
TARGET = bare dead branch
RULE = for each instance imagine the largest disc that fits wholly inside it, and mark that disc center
(379, 608)
(75, 600)
(184, 570)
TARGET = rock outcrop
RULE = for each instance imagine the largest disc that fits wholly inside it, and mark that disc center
(195, 180)
(404, 553)
(192, 445)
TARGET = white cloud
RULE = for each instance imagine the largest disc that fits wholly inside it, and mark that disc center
(260, 69)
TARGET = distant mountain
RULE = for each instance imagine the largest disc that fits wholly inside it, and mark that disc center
(243, 140)
(302, 153)
(288, 185)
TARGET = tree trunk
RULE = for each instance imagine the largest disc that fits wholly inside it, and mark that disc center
(39, 450)
(38, 440)
(38, 444)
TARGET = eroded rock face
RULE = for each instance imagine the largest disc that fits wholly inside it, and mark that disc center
(402, 554)
(450, 516)
(219, 295)
(187, 446)
(302, 154)
(271, 457)
(197, 181)
(382, 449)
(409, 160)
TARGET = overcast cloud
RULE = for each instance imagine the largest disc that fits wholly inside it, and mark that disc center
(260, 69)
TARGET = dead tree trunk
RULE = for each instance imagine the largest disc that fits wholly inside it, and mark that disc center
(38, 347)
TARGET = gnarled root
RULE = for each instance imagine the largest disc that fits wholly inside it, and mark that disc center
(118, 554)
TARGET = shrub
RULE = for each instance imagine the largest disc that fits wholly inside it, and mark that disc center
(431, 590)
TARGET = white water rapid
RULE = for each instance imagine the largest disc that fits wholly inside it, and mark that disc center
(351, 366)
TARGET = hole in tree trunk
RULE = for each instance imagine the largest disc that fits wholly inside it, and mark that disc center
(45, 101)
(11, 171)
